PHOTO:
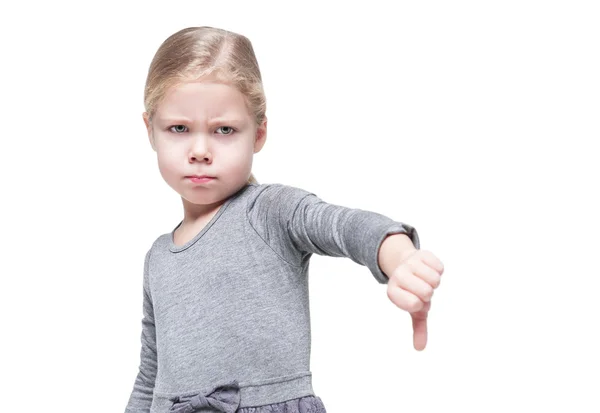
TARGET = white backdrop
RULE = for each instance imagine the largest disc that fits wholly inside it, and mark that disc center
(476, 122)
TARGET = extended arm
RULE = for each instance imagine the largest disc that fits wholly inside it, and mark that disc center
(292, 219)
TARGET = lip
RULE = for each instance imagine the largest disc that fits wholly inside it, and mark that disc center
(200, 179)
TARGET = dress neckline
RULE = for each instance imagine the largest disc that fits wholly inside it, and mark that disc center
(178, 248)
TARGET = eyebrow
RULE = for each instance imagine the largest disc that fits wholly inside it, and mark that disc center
(175, 120)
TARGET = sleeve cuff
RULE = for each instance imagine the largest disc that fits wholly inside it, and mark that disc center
(396, 228)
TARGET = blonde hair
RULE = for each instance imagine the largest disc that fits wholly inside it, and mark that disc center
(197, 52)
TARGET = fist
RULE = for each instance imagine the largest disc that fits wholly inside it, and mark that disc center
(410, 287)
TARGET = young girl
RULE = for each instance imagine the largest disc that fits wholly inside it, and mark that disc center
(226, 323)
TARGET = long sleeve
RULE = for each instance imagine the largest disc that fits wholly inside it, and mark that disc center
(291, 219)
(140, 399)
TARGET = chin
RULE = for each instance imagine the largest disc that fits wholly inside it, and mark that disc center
(203, 201)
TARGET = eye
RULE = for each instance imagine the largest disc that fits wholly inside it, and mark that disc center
(227, 128)
(176, 126)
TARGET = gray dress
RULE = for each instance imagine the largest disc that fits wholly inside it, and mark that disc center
(226, 399)
(226, 316)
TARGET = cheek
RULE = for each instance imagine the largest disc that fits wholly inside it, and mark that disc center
(167, 163)
(239, 160)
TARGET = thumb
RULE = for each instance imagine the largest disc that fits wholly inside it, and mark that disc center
(419, 333)
(419, 323)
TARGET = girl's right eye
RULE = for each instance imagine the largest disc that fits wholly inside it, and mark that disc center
(176, 126)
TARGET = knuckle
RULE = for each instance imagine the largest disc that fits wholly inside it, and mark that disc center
(428, 293)
(414, 304)
(435, 279)
(389, 293)
(425, 253)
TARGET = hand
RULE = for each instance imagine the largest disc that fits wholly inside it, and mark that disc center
(411, 286)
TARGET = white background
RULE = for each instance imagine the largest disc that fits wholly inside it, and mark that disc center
(476, 122)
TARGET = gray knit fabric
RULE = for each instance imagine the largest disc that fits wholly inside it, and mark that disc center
(226, 322)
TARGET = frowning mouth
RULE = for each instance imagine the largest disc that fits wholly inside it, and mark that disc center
(200, 179)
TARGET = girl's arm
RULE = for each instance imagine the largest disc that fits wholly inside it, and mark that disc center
(297, 223)
(140, 399)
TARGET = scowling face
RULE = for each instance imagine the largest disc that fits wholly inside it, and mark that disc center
(204, 128)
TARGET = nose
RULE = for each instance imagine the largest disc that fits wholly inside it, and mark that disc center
(200, 149)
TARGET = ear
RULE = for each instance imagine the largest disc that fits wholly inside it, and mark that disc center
(149, 130)
(261, 136)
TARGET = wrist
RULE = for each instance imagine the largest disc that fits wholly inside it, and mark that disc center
(394, 249)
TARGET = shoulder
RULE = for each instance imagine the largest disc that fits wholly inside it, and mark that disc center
(274, 196)
(152, 247)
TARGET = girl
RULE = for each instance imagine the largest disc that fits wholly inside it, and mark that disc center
(226, 323)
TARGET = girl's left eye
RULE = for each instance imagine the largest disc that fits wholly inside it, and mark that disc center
(227, 127)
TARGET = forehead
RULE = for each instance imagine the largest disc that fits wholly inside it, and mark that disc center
(203, 99)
